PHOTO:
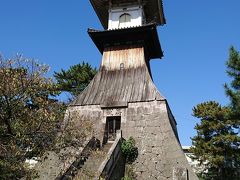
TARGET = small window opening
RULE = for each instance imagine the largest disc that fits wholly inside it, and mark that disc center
(121, 66)
(124, 20)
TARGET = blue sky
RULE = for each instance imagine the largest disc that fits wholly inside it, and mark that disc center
(195, 41)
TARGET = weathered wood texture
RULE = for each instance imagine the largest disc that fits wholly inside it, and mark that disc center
(123, 77)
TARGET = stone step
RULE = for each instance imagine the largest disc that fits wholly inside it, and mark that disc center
(106, 147)
(92, 164)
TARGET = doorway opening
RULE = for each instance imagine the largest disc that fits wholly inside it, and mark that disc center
(113, 124)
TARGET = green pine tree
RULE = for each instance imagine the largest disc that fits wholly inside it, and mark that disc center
(233, 90)
(75, 79)
(217, 143)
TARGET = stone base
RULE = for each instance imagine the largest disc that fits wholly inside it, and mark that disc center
(153, 127)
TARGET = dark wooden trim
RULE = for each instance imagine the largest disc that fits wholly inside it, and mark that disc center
(146, 35)
(116, 104)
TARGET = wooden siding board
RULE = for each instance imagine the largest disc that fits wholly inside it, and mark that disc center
(113, 85)
(122, 86)
(136, 83)
(117, 86)
(80, 99)
(108, 88)
(153, 92)
(136, 88)
(95, 89)
(103, 85)
(141, 87)
(131, 85)
(148, 92)
(116, 74)
(87, 99)
(103, 79)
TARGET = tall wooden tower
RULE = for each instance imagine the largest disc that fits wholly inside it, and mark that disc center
(123, 96)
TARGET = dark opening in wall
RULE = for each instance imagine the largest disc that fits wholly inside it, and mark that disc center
(113, 123)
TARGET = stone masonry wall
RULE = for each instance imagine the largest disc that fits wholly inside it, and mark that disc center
(151, 124)
(78, 120)
(86, 114)
(159, 150)
(153, 127)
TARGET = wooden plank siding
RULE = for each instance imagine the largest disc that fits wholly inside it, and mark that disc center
(114, 85)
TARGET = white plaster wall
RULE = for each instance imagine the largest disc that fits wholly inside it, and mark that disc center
(136, 13)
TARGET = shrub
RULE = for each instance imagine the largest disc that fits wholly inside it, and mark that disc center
(129, 150)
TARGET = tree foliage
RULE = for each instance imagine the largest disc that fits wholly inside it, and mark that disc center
(233, 90)
(75, 79)
(29, 114)
(217, 143)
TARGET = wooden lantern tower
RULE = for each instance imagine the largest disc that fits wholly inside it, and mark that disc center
(122, 96)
